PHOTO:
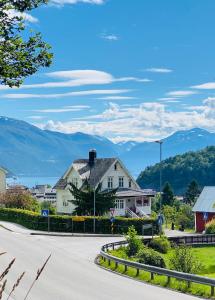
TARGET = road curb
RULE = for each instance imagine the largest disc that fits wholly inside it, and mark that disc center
(75, 234)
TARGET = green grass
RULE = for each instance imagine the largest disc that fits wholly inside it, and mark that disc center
(205, 254)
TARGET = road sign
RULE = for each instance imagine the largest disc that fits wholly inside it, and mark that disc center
(205, 216)
(45, 212)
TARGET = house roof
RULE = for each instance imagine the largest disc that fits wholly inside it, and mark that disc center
(92, 173)
(206, 200)
(126, 192)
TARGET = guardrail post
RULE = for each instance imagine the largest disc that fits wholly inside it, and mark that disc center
(152, 276)
(212, 291)
(168, 280)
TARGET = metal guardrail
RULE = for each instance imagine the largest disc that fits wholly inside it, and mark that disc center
(189, 278)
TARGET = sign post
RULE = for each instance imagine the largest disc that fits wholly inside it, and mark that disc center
(45, 213)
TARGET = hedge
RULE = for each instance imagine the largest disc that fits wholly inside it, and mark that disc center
(78, 224)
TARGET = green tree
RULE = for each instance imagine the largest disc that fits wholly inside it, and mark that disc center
(18, 198)
(169, 213)
(48, 205)
(167, 195)
(84, 199)
(192, 192)
(21, 53)
(183, 260)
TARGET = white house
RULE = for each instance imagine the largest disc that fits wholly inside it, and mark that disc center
(111, 174)
(3, 174)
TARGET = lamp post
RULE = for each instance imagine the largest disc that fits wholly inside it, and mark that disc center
(160, 142)
(94, 210)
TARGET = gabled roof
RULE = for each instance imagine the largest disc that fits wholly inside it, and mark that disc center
(92, 173)
(206, 200)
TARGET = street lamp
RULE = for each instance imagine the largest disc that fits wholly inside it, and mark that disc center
(160, 142)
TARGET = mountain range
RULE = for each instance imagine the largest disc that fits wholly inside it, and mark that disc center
(27, 150)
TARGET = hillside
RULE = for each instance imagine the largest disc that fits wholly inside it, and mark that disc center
(29, 151)
(181, 169)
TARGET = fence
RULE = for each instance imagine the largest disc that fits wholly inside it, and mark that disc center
(189, 278)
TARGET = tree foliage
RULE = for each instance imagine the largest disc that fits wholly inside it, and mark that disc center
(192, 192)
(84, 200)
(167, 195)
(183, 260)
(19, 56)
(18, 198)
(180, 170)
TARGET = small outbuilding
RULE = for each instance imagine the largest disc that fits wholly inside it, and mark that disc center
(204, 208)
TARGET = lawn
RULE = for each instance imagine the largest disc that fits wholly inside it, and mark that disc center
(206, 255)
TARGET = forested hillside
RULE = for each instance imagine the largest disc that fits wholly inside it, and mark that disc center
(180, 170)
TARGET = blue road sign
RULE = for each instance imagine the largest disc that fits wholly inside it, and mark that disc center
(205, 216)
(112, 219)
(45, 212)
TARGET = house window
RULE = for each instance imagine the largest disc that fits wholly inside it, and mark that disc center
(121, 181)
(75, 181)
(146, 202)
(129, 183)
(110, 182)
(65, 203)
(119, 203)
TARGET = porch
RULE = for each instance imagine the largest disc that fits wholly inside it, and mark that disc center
(133, 203)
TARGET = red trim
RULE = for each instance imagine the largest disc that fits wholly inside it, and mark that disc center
(200, 222)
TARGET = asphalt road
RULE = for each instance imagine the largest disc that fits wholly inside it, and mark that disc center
(71, 274)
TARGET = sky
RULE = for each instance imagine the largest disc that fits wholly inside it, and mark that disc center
(123, 69)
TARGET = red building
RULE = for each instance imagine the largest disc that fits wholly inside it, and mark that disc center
(204, 208)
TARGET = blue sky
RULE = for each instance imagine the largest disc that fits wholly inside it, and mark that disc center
(123, 69)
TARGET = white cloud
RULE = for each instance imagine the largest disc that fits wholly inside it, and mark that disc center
(117, 98)
(72, 108)
(148, 121)
(181, 93)
(109, 37)
(74, 78)
(36, 117)
(70, 94)
(159, 70)
(27, 17)
(205, 86)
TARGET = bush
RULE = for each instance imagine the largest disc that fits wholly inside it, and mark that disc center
(183, 260)
(150, 257)
(160, 244)
(210, 227)
(65, 223)
(134, 243)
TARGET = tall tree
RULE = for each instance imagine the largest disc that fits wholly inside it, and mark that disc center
(192, 192)
(167, 195)
(19, 56)
(84, 200)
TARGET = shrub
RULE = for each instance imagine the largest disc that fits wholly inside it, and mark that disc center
(160, 244)
(134, 243)
(150, 257)
(65, 223)
(210, 227)
(183, 260)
